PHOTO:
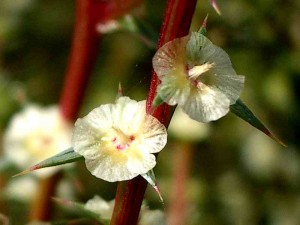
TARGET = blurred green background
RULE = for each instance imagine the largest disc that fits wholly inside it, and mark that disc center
(235, 174)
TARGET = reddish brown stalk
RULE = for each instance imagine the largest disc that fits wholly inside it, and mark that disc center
(130, 194)
(41, 207)
(84, 48)
(177, 213)
(82, 58)
(83, 55)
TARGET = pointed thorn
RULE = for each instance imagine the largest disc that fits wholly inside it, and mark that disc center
(120, 92)
(267, 132)
(277, 140)
(215, 6)
(202, 29)
(159, 194)
(204, 22)
(27, 171)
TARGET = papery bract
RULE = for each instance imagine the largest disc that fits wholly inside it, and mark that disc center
(117, 140)
(198, 76)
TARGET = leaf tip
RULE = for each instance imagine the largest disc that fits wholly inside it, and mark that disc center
(277, 139)
(27, 171)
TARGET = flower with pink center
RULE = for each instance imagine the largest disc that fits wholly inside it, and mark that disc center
(34, 134)
(118, 140)
(198, 76)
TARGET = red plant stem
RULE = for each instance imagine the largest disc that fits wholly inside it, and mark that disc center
(130, 194)
(177, 213)
(83, 55)
(84, 48)
(41, 208)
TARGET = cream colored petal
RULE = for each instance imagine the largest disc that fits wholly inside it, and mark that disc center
(154, 136)
(100, 118)
(206, 104)
(86, 140)
(198, 47)
(201, 50)
(105, 169)
(129, 115)
(231, 86)
(174, 90)
(141, 164)
(89, 130)
(221, 60)
(170, 58)
(120, 165)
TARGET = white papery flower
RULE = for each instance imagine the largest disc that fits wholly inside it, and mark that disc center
(35, 134)
(198, 76)
(99, 206)
(118, 140)
(105, 210)
(21, 188)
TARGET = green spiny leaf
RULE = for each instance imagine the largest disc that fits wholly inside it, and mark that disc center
(61, 158)
(242, 111)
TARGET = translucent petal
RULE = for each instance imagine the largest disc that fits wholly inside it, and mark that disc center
(142, 166)
(105, 169)
(90, 129)
(201, 50)
(170, 58)
(120, 166)
(100, 118)
(231, 86)
(206, 104)
(194, 48)
(221, 60)
(86, 139)
(154, 136)
(129, 115)
(174, 90)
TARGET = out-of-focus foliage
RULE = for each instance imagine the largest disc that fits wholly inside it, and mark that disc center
(237, 175)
